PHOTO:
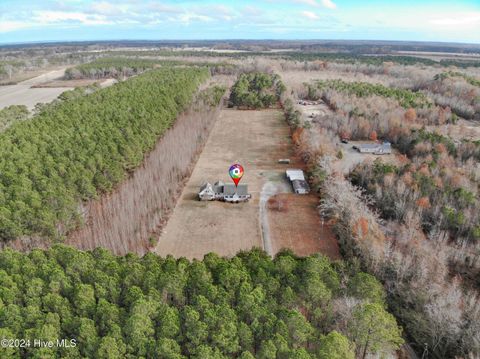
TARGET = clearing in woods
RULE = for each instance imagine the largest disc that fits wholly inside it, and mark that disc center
(255, 139)
(24, 92)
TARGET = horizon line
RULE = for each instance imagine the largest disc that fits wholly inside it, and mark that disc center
(233, 39)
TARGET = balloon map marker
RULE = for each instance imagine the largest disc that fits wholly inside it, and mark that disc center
(236, 173)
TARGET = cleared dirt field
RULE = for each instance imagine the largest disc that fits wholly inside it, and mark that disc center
(23, 94)
(66, 83)
(76, 83)
(256, 139)
(295, 223)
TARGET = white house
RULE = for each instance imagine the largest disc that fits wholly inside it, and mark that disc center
(224, 192)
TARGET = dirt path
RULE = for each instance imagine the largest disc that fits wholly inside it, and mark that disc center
(48, 76)
(269, 189)
(23, 94)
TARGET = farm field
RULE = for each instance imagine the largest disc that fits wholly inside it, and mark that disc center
(256, 139)
(23, 93)
(295, 223)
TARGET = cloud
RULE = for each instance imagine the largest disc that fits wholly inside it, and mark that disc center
(29, 19)
(49, 17)
(188, 17)
(309, 15)
(329, 4)
(164, 8)
(8, 26)
(106, 8)
(219, 12)
(459, 19)
(252, 11)
(306, 2)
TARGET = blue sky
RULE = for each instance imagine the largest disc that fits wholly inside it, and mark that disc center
(59, 20)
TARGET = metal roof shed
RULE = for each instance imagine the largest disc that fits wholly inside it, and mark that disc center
(295, 174)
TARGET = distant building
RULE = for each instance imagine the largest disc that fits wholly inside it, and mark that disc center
(308, 103)
(299, 184)
(375, 148)
(224, 192)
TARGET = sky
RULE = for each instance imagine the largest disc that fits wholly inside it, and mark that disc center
(78, 20)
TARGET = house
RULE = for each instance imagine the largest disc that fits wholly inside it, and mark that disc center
(224, 192)
(299, 184)
(375, 148)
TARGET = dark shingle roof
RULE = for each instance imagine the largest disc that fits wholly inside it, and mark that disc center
(230, 189)
(299, 184)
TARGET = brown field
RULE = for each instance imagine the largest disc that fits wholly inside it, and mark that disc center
(66, 83)
(295, 224)
(23, 93)
(30, 75)
(256, 139)
(75, 83)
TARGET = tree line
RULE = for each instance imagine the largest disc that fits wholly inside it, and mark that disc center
(306, 56)
(130, 218)
(412, 221)
(248, 306)
(103, 67)
(418, 193)
(82, 147)
(406, 98)
(256, 90)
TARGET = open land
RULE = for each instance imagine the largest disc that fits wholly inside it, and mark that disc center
(295, 224)
(256, 139)
(23, 93)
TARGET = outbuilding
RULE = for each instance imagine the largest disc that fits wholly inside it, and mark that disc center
(206, 192)
(297, 178)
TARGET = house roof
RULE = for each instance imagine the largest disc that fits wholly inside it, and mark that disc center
(374, 145)
(230, 189)
(204, 186)
(369, 145)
